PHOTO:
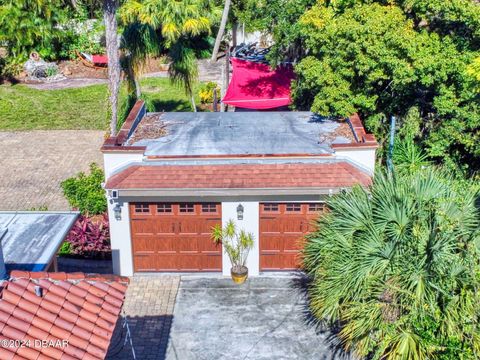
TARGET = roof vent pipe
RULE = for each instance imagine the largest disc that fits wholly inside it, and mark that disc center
(3, 269)
(38, 291)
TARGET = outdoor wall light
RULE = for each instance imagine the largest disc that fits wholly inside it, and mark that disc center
(240, 212)
(117, 210)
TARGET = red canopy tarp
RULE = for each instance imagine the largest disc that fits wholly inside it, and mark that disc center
(257, 86)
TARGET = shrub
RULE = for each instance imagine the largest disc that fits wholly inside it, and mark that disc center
(90, 237)
(85, 193)
(206, 92)
(82, 35)
(65, 249)
(397, 267)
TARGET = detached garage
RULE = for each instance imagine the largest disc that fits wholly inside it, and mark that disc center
(171, 177)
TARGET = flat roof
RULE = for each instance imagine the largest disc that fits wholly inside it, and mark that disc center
(238, 133)
(32, 239)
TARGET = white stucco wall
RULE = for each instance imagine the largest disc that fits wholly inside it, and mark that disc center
(250, 223)
(363, 157)
(115, 161)
(120, 240)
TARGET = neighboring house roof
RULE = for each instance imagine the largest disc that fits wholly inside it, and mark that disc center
(32, 239)
(327, 175)
(236, 133)
(77, 308)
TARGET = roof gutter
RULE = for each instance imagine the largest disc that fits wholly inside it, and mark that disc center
(228, 192)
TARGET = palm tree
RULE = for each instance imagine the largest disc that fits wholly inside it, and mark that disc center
(221, 30)
(111, 39)
(166, 27)
(397, 267)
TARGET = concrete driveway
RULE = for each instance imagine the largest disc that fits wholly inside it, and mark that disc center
(262, 319)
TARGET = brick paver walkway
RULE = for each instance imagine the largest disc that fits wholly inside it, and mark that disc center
(33, 163)
(149, 309)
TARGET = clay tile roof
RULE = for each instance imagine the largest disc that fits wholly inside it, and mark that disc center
(68, 310)
(240, 176)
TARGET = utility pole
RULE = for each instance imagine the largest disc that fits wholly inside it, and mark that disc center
(392, 143)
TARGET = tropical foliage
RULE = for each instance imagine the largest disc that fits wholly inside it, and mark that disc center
(31, 25)
(176, 29)
(89, 237)
(397, 268)
(85, 193)
(278, 18)
(381, 60)
(206, 92)
(237, 244)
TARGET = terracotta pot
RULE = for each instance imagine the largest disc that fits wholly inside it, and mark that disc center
(239, 276)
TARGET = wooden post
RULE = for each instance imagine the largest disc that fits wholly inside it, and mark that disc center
(222, 90)
(227, 75)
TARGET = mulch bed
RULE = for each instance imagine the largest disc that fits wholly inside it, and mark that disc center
(75, 69)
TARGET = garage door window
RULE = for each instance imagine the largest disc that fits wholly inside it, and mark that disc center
(142, 208)
(164, 208)
(294, 207)
(318, 207)
(270, 207)
(187, 208)
(209, 208)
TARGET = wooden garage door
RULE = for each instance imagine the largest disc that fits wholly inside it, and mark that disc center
(282, 228)
(175, 236)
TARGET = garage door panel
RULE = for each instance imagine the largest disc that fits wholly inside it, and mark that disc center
(145, 244)
(283, 227)
(164, 243)
(175, 237)
(271, 242)
(281, 261)
(188, 262)
(163, 226)
(268, 225)
(145, 262)
(142, 226)
(211, 262)
(166, 262)
(294, 226)
(207, 245)
(293, 243)
(185, 243)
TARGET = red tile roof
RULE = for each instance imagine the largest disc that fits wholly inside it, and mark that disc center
(73, 319)
(240, 176)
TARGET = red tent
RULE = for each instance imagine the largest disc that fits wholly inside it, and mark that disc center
(257, 86)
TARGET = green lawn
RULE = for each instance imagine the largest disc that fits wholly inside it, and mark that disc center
(22, 108)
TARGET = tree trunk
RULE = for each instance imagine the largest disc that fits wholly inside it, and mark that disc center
(110, 19)
(138, 90)
(194, 106)
(221, 30)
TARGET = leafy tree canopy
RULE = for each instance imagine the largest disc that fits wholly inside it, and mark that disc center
(279, 18)
(173, 28)
(382, 59)
(28, 25)
(397, 267)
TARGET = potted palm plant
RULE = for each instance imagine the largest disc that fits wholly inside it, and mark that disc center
(237, 245)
